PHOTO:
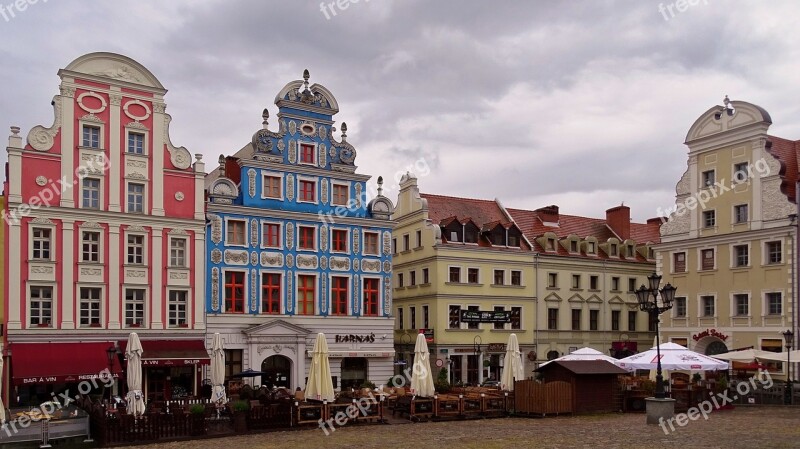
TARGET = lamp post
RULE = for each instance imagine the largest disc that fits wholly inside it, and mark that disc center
(788, 338)
(110, 353)
(476, 348)
(648, 302)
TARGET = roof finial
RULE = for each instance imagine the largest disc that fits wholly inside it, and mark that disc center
(222, 164)
(306, 76)
(344, 131)
(265, 116)
(380, 185)
(726, 101)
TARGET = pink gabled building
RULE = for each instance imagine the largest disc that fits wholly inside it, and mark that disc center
(106, 236)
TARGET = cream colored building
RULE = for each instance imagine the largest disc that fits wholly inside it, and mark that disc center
(728, 245)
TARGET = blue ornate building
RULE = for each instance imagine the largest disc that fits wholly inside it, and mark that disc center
(294, 249)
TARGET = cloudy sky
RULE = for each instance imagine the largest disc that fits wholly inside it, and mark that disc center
(583, 104)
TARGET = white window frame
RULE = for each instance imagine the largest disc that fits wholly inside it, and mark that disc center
(101, 126)
(591, 243)
(674, 312)
(297, 237)
(765, 303)
(300, 144)
(734, 217)
(461, 324)
(360, 297)
(281, 302)
(100, 245)
(346, 240)
(703, 183)
(521, 316)
(144, 196)
(480, 275)
(187, 304)
(732, 252)
(700, 257)
(505, 309)
(172, 238)
(685, 261)
(53, 302)
(461, 274)
(273, 174)
(344, 184)
(703, 219)
(263, 226)
(125, 308)
(377, 234)
(143, 235)
(701, 306)
(296, 297)
(521, 278)
(765, 252)
(505, 276)
(145, 138)
(300, 180)
(734, 309)
(100, 192)
(329, 294)
(223, 298)
(49, 227)
(100, 301)
(246, 232)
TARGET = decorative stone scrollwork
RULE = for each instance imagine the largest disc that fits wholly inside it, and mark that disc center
(41, 220)
(307, 261)
(387, 294)
(179, 196)
(323, 155)
(372, 266)
(323, 132)
(67, 91)
(292, 152)
(216, 255)
(253, 232)
(356, 288)
(359, 191)
(253, 290)
(387, 266)
(290, 261)
(356, 242)
(292, 127)
(340, 263)
(142, 105)
(253, 258)
(271, 259)
(323, 262)
(179, 156)
(115, 99)
(289, 236)
(216, 228)
(324, 191)
(95, 95)
(323, 238)
(215, 289)
(289, 291)
(236, 257)
(290, 187)
(85, 271)
(356, 264)
(281, 145)
(41, 138)
(251, 178)
(41, 181)
(387, 243)
(135, 228)
(324, 301)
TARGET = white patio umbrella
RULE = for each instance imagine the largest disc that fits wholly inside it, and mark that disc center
(780, 356)
(421, 376)
(218, 370)
(673, 357)
(320, 382)
(135, 397)
(744, 355)
(512, 364)
(585, 354)
(2, 406)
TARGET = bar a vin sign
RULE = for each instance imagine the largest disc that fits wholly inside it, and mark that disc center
(479, 316)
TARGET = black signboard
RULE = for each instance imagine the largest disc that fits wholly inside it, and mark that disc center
(477, 316)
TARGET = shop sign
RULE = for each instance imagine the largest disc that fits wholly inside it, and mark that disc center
(482, 316)
(428, 335)
(709, 333)
(497, 347)
(351, 338)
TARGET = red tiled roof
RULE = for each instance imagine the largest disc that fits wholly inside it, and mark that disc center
(480, 211)
(787, 152)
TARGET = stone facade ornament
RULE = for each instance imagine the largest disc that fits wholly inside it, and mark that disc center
(253, 290)
(323, 237)
(290, 187)
(356, 265)
(387, 243)
(387, 266)
(323, 262)
(253, 232)
(292, 152)
(41, 138)
(41, 181)
(251, 178)
(359, 191)
(253, 258)
(356, 243)
(307, 262)
(324, 191)
(236, 257)
(289, 236)
(289, 292)
(216, 228)
(290, 261)
(387, 295)
(216, 255)
(215, 289)
(269, 259)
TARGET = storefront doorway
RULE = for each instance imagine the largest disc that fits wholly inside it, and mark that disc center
(354, 372)
(279, 371)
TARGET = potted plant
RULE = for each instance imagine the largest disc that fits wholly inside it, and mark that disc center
(240, 409)
(197, 419)
(696, 378)
(442, 384)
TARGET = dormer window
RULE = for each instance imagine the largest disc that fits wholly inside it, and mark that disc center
(471, 233)
(514, 237)
(573, 246)
(551, 244)
(630, 251)
(612, 250)
(513, 240)
(498, 236)
(591, 248)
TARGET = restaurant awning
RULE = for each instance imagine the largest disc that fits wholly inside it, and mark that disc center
(172, 352)
(46, 363)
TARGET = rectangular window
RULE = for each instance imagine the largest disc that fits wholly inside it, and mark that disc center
(90, 246)
(339, 295)
(707, 303)
(413, 312)
(472, 275)
(613, 250)
(371, 297)
(516, 318)
(271, 293)
(740, 172)
(708, 178)
(307, 153)
(707, 256)
(271, 237)
(272, 186)
(473, 325)
(233, 362)
(594, 318)
(774, 252)
(41, 244)
(615, 315)
(135, 143)
(307, 240)
(576, 281)
(394, 246)
(576, 319)
(134, 307)
(91, 193)
(552, 280)
(679, 262)
(406, 243)
(591, 247)
(339, 241)
(371, 243)
(177, 252)
(615, 283)
(177, 308)
(741, 303)
(552, 319)
(516, 277)
(306, 287)
(412, 277)
(741, 255)
(91, 136)
(499, 325)
(234, 292)
(135, 249)
(709, 218)
(135, 198)
(237, 232)
(419, 239)
(593, 280)
(631, 285)
(740, 214)
(400, 318)
(426, 319)
(341, 194)
(632, 314)
(425, 277)
(680, 307)
(551, 245)
(90, 306)
(41, 306)
(499, 277)
(573, 246)
(455, 274)
(400, 282)
(774, 303)
(454, 317)
(308, 191)
(631, 251)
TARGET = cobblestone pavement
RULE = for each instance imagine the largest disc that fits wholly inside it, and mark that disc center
(743, 428)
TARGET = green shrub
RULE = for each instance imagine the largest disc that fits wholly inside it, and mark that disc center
(197, 409)
(241, 406)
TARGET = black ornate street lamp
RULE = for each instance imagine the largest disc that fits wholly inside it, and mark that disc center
(788, 338)
(111, 352)
(648, 302)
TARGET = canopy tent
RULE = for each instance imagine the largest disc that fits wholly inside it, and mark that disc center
(512, 364)
(744, 355)
(792, 356)
(673, 357)
(584, 354)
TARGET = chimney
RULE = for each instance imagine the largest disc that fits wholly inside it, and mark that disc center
(619, 220)
(654, 224)
(548, 214)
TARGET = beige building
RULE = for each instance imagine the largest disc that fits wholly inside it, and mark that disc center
(728, 245)
(559, 282)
